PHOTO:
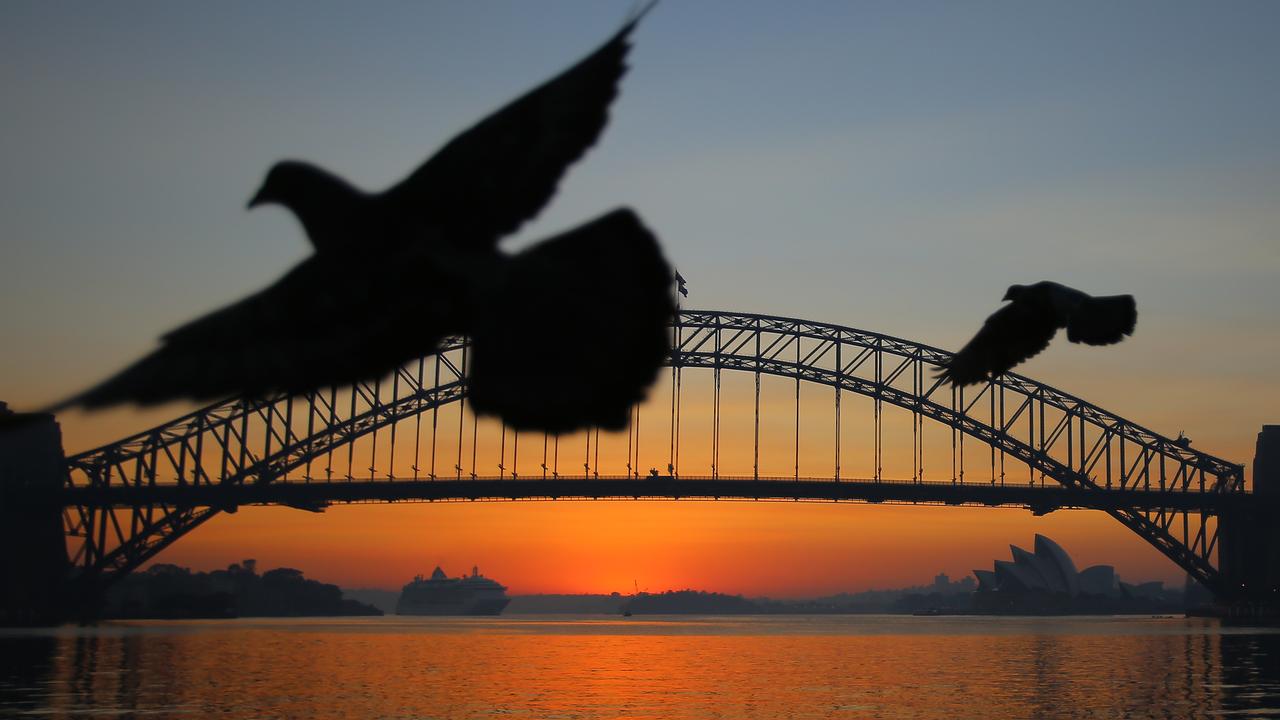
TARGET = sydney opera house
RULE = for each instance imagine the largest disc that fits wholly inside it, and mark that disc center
(1049, 575)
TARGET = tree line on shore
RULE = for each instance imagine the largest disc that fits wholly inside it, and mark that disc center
(170, 591)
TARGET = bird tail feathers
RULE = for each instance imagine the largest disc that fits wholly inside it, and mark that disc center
(1103, 320)
(959, 372)
(148, 381)
(199, 370)
(575, 333)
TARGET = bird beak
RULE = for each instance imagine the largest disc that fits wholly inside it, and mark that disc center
(256, 200)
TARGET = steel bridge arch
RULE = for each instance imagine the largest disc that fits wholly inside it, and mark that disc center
(833, 356)
(240, 442)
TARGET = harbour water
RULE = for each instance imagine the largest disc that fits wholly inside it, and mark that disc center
(691, 668)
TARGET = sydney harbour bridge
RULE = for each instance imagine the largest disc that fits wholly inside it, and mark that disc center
(735, 416)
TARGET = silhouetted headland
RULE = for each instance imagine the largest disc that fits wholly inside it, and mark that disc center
(169, 591)
(689, 602)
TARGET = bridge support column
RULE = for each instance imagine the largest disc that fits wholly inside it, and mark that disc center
(33, 551)
(1249, 541)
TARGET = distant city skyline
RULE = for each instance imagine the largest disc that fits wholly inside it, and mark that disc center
(887, 166)
(940, 582)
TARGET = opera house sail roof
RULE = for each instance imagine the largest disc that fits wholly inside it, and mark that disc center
(1049, 569)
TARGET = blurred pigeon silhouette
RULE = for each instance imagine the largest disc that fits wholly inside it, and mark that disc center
(1024, 327)
(565, 335)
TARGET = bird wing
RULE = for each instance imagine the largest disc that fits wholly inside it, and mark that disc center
(574, 333)
(322, 323)
(1103, 320)
(1011, 335)
(493, 177)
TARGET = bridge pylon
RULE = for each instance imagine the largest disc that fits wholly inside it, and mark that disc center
(1249, 551)
(33, 551)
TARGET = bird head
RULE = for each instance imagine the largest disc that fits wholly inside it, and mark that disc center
(1014, 292)
(285, 184)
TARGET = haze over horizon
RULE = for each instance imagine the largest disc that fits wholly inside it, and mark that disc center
(878, 165)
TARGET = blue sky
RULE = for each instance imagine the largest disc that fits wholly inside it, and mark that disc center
(890, 166)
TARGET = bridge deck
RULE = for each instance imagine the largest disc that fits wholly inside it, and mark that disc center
(316, 494)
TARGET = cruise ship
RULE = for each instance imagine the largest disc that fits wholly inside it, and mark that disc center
(440, 594)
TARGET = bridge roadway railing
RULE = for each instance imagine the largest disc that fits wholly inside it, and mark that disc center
(237, 445)
(317, 495)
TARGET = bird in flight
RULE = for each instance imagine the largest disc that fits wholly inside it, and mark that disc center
(565, 335)
(1024, 327)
